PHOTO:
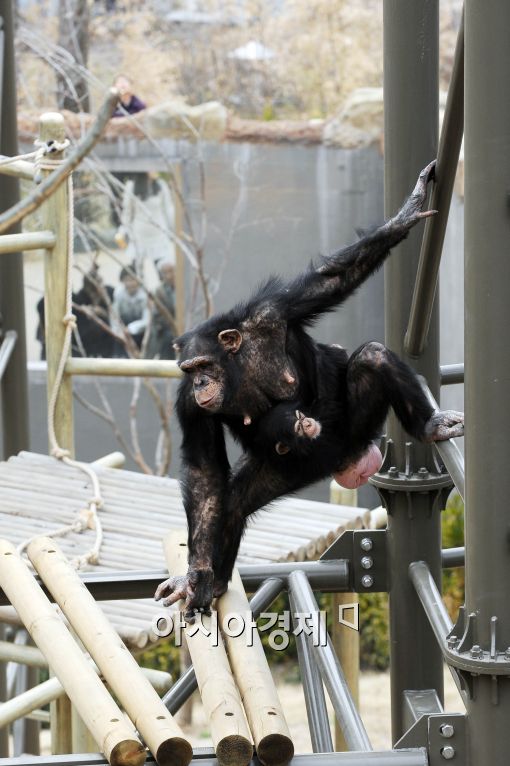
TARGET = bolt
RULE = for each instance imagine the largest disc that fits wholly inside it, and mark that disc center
(366, 544)
(476, 651)
(452, 642)
(367, 562)
(507, 654)
(423, 472)
(446, 730)
(393, 471)
(448, 752)
(367, 581)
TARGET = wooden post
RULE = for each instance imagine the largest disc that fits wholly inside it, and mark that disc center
(61, 725)
(55, 215)
(229, 731)
(345, 639)
(180, 282)
(161, 733)
(116, 739)
(254, 680)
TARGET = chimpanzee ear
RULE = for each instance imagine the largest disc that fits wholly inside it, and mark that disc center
(230, 340)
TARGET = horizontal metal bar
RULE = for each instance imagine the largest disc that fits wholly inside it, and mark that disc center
(448, 451)
(435, 227)
(339, 693)
(328, 576)
(451, 374)
(184, 687)
(134, 368)
(6, 349)
(408, 757)
(453, 557)
(31, 240)
(17, 168)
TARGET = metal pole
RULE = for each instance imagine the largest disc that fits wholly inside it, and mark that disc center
(487, 362)
(14, 386)
(411, 95)
(4, 731)
(435, 228)
(315, 700)
(339, 693)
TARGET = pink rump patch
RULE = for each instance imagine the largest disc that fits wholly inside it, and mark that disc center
(358, 473)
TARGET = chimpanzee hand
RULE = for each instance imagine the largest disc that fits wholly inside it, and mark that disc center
(196, 588)
(411, 212)
(306, 426)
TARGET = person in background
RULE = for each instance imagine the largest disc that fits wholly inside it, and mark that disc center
(163, 314)
(97, 298)
(129, 103)
(131, 306)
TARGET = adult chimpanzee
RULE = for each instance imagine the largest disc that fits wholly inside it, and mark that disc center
(256, 370)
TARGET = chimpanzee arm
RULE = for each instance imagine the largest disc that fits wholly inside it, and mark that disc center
(204, 476)
(341, 273)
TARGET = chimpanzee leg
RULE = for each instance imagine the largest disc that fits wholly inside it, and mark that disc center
(377, 379)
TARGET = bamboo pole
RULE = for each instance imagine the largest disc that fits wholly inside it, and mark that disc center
(162, 735)
(229, 731)
(254, 680)
(137, 368)
(30, 240)
(55, 215)
(345, 640)
(114, 736)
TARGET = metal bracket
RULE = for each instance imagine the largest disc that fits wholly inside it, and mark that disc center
(443, 734)
(365, 549)
(464, 653)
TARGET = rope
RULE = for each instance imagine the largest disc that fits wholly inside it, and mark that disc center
(88, 517)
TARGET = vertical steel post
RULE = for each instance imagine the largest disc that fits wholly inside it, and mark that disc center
(487, 365)
(12, 306)
(411, 99)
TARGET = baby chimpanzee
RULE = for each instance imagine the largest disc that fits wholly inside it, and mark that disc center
(251, 369)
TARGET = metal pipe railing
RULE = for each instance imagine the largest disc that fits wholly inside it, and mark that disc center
(435, 227)
(346, 712)
(315, 700)
(451, 374)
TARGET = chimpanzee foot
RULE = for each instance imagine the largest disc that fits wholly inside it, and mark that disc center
(195, 588)
(442, 425)
(306, 426)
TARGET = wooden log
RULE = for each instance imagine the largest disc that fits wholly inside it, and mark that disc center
(17, 168)
(52, 690)
(138, 368)
(254, 680)
(112, 460)
(114, 735)
(229, 731)
(30, 240)
(345, 639)
(55, 217)
(161, 733)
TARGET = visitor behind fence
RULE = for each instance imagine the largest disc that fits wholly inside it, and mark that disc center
(129, 103)
(131, 307)
(163, 330)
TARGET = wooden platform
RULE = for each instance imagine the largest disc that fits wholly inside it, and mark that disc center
(39, 494)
